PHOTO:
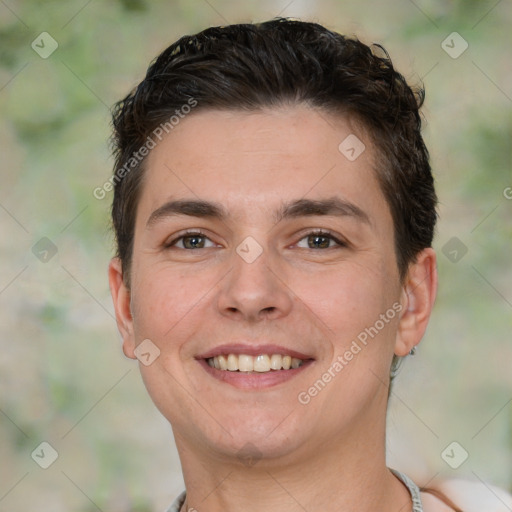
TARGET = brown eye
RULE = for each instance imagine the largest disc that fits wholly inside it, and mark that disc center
(191, 240)
(320, 240)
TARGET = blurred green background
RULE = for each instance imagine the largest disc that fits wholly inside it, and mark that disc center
(63, 378)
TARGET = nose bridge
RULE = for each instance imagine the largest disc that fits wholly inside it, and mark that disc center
(254, 289)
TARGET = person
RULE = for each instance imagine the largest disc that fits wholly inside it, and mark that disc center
(274, 211)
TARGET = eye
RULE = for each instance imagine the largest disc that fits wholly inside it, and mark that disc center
(320, 240)
(191, 240)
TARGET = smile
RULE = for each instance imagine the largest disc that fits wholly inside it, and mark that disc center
(253, 366)
(261, 363)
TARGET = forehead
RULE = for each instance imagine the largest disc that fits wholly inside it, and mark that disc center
(252, 161)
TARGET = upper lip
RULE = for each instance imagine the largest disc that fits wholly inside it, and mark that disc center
(252, 350)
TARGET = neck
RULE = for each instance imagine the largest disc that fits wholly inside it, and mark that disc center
(345, 474)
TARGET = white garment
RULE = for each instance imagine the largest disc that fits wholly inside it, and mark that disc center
(476, 496)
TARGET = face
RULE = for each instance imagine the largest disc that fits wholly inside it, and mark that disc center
(257, 238)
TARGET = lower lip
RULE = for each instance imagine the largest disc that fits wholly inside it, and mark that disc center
(254, 380)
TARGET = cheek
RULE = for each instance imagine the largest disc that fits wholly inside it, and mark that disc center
(167, 310)
(163, 299)
(357, 306)
(348, 300)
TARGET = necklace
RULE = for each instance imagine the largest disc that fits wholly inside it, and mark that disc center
(413, 490)
(411, 486)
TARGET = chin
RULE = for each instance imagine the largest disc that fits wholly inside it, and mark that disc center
(267, 437)
(265, 450)
(243, 438)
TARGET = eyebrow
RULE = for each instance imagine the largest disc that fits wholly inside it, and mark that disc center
(334, 206)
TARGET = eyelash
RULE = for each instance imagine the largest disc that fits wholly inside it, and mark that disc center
(325, 234)
(318, 232)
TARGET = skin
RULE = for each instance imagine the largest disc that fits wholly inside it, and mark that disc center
(321, 456)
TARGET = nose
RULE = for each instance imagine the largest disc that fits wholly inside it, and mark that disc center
(255, 291)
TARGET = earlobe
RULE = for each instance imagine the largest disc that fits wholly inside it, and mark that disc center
(418, 296)
(121, 298)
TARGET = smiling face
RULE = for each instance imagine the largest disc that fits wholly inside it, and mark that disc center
(256, 236)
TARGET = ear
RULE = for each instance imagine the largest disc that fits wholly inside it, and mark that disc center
(121, 297)
(417, 299)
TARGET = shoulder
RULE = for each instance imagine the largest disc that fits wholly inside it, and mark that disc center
(469, 496)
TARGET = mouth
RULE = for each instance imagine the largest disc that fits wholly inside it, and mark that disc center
(261, 363)
(249, 367)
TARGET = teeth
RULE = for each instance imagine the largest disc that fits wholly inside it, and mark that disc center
(261, 364)
(276, 362)
(245, 363)
(296, 362)
(232, 363)
(223, 362)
